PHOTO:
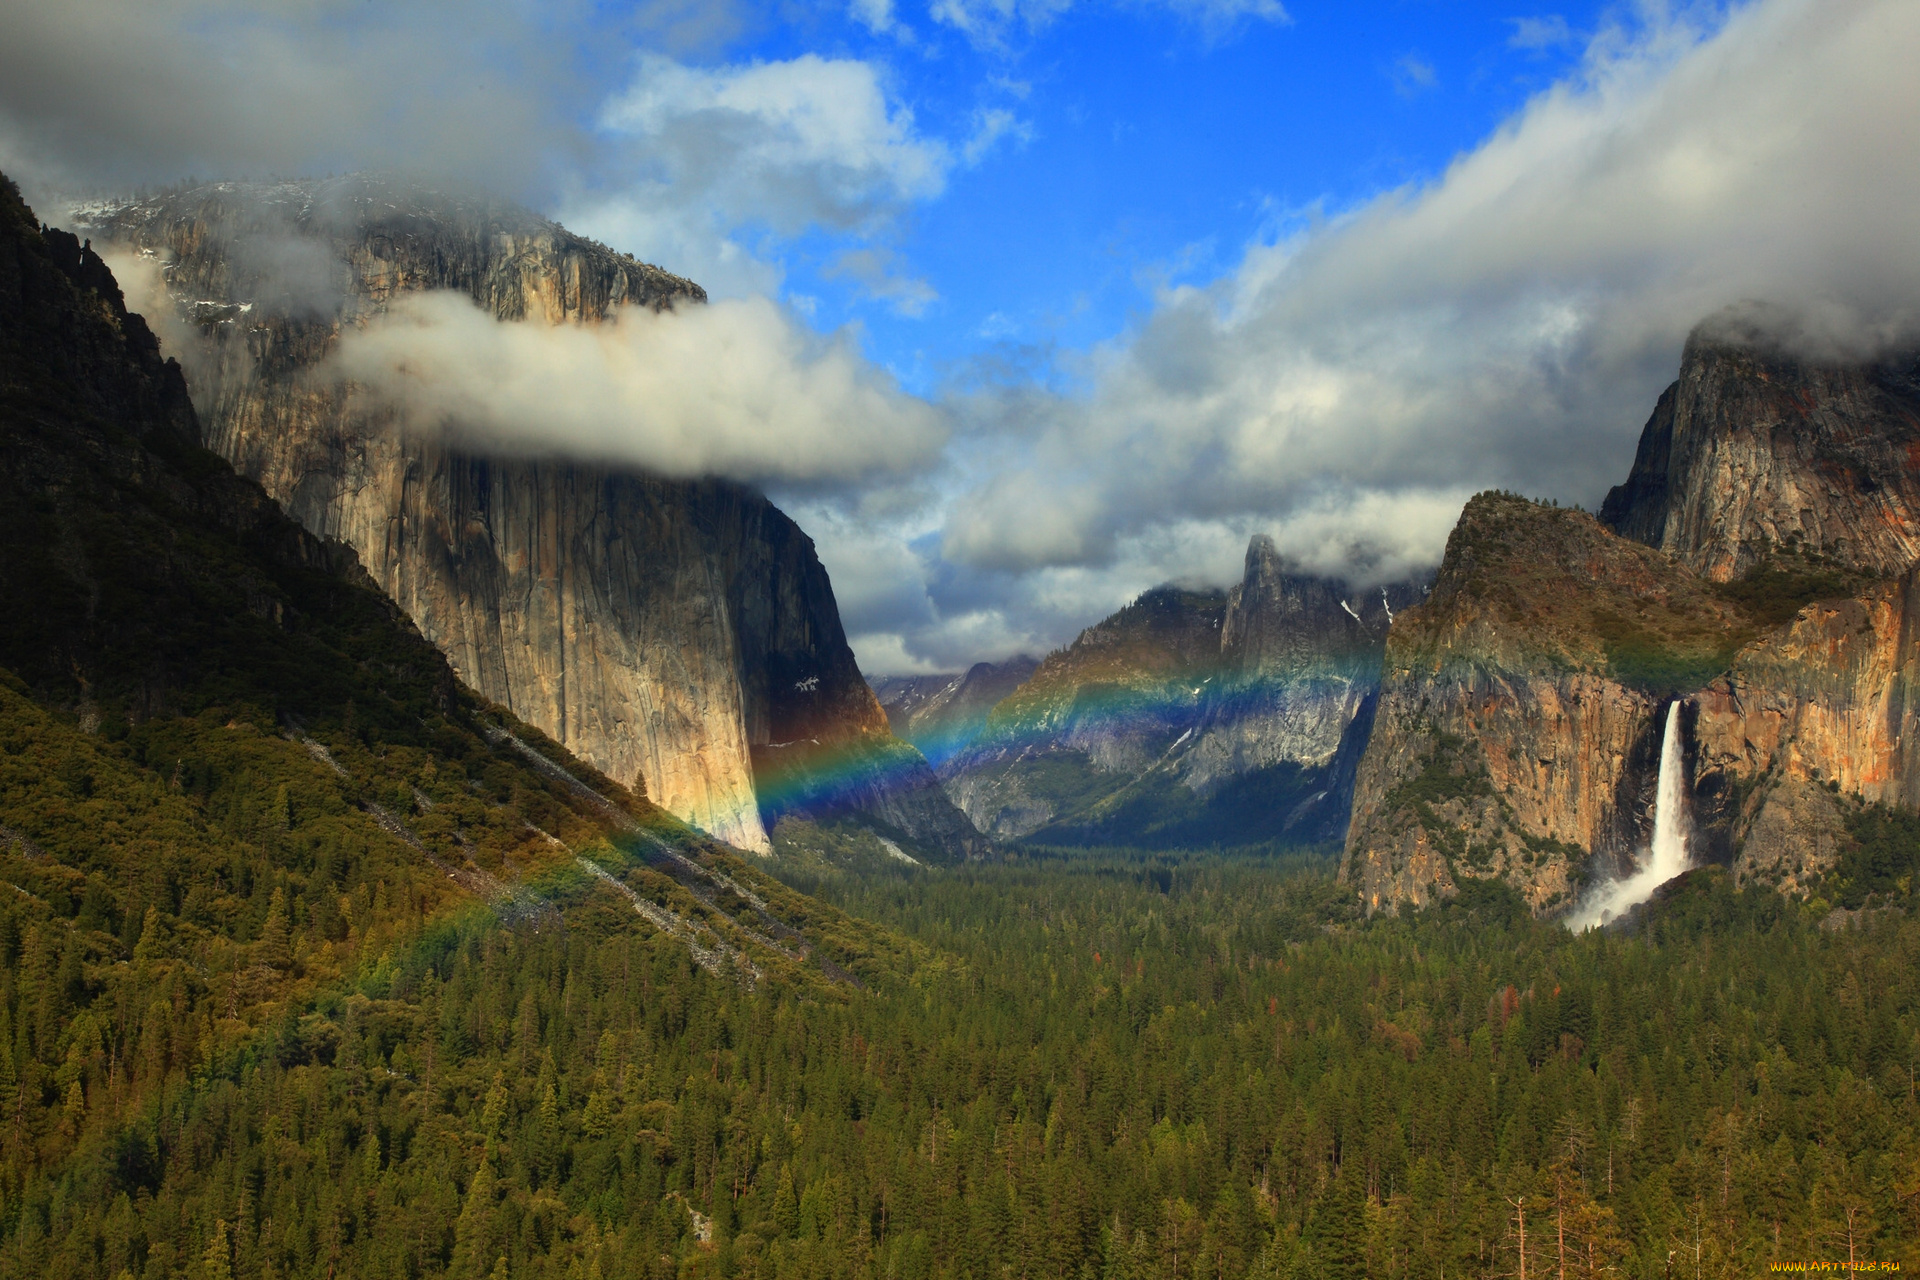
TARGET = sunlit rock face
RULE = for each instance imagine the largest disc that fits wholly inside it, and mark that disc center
(1517, 733)
(1760, 466)
(1821, 711)
(1757, 565)
(1195, 717)
(1754, 452)
(662, 630)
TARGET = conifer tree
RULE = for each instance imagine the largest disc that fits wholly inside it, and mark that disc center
(274, 947)
(493, 1115)
(473, 1233)
(148, 948)
(217, 1262)
(1339, 1233)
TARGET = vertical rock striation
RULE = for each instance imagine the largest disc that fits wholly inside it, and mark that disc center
(662, 630)
(1755, 451)
(1823, 708)
(1520, 708)
(1758, 563)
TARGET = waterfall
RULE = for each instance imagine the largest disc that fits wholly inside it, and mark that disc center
(1670, 807)
(1666, 858)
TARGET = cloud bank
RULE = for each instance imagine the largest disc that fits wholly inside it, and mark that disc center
(734, 388)
(1509, 324)
(150, 91)
(1345, 387)
(693, 166)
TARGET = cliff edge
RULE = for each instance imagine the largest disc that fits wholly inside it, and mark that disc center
(666, 631)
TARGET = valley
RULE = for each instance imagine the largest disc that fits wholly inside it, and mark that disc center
(420, 862)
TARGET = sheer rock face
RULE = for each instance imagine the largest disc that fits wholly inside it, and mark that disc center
(1517, 731)
(1827, 706)
(1519, 725)
(1831, 697)
(1202, 689)
(1754, 451)
(661, 630)
(1519, 721)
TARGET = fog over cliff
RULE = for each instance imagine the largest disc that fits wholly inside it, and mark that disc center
(733, 388)
(1344, 387)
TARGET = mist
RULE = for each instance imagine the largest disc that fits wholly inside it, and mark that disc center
(735, 388)
(1344, 386)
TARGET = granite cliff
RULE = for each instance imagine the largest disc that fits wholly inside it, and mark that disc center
(1300, 661)
(1757, 565)
(1814, 720)
(214, 728)
(1755, 452)
(1191, 717)
(673, 633)
(1517, 730)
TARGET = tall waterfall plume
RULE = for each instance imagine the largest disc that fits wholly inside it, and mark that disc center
(1666, 858)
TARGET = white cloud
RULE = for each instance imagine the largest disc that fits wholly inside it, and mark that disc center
(1537, 35)
(734, 388)
(717, 166)
(975, 614)
(809, 140)
(706, 170)
(1412, 74)
(144, 90)
(990, 126)
(987, 21)
(990, 22)
(876, 270)
(1510, 324)
(875, 15)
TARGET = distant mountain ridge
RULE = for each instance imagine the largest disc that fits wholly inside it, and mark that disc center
(941, 714)
(1191, 717)
(671, 632)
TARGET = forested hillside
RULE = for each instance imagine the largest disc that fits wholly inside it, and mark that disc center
(245, 810)
(1100, 1068)
(313, 964)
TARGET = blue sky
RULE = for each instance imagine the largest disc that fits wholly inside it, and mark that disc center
(1142, 147)
(1151, 151)
(1023, 306)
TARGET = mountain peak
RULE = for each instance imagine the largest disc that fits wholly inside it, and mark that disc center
(1758, 451)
